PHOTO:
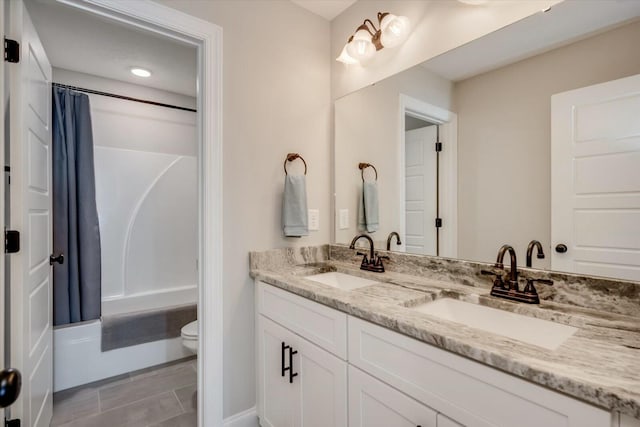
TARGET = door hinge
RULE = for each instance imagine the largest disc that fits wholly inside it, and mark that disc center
(12, 423)
(11, 50)
(438, 222)
(11, 241)
(438, 146)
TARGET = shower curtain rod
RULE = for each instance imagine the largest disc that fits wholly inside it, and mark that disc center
(126, 98)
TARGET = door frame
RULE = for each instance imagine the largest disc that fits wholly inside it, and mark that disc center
(4, 287)
(448, 122)
(207, 37)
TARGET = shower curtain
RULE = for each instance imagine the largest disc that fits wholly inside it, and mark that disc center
(76, 233)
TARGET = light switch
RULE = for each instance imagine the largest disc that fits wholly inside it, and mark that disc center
(314, 220)
(344, 219)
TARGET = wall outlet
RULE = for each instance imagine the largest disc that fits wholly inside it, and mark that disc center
(344, 219)
(314, 220)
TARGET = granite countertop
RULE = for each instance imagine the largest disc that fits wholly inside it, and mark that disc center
(599, 364)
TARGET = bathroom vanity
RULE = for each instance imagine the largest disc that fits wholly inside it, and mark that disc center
(369, 352)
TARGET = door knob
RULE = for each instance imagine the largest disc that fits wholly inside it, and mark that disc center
(59, 259)
(561, 248)
(10, 384)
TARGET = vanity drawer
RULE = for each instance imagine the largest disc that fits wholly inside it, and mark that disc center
(372, 403)
(320, 324)
(468, 392)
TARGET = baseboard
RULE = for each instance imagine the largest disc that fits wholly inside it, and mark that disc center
(248, 418)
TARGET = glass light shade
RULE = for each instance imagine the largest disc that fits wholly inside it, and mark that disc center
(361, 47)
(345, 58)
(394, 29)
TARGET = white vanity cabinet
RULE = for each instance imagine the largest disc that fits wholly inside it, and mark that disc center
(393, 380)
(300, 384)
(464, 391)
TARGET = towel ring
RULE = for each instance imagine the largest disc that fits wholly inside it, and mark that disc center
(290, 158)
(363, 166)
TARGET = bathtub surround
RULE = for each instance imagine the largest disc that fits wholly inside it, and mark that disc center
(128, 329)
(597, 365)
(145, 166)
(76, 229)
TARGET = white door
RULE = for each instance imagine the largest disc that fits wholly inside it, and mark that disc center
(31, 289)
(420, 191)
(595, 179)
(322, 383)
(375, 404)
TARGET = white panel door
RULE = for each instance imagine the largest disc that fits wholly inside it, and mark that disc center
(420, 191)
(31, 286)
(372, 403)
(595, 179)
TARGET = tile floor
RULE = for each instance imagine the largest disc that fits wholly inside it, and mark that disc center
(161, 396)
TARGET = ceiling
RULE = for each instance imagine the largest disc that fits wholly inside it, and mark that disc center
(328, 9)
(564, 23)
(82, 42)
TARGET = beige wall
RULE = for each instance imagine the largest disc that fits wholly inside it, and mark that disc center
(504, 139)
(438, 26)
(367, 127)
(276, 100)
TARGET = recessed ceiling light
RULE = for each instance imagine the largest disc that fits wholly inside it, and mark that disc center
(140, 72)
(473, 2)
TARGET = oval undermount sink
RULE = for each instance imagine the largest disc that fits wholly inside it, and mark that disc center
(538, 332)
(342, 281)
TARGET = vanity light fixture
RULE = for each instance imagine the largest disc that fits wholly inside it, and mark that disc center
(367, 40)
(140, 72)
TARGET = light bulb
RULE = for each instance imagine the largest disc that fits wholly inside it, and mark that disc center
(140, 72)
(345, 58)
(361, 47)
(394, 30)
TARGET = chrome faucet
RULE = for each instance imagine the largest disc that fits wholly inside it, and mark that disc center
(373, 262)
(391, 235)
(540, 254)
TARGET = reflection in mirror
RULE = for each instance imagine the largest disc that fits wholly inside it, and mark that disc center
(540, 130)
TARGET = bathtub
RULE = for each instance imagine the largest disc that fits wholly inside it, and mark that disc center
(149, 300)
(77, 355)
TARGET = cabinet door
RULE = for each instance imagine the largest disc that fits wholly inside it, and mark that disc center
(312, 394)
(372, 403)
(276, 396)
(322, 380)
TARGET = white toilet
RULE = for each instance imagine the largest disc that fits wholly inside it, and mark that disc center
(189, 333)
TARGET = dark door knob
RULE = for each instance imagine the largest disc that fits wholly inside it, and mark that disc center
(10, 384)
(59, 259)
(561, 248)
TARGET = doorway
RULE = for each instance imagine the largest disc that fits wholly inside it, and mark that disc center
(428, 190)
(205, 38)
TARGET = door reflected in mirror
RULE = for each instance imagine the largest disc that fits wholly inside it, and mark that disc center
(539, 141)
